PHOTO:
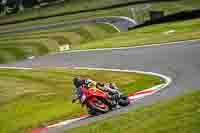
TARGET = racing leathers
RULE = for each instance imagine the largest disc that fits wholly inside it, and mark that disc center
(110, 88)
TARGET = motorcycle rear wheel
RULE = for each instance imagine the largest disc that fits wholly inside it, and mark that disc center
(124, 101)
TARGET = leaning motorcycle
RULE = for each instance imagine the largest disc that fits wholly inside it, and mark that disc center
(99, 102)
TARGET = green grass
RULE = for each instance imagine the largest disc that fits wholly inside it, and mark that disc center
(169, 7)
(76, 34)
(67, 7)
(180, 115)
(30, 98)
(112, 12)
(184, 30)
(14, 51)
(177, 6)
(100, 36)
(23, 45)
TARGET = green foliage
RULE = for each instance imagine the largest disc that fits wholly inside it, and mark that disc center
(13, 51)
(30, 98)
(172, 6)
(23, 45)
(180, 115)
(184, 30)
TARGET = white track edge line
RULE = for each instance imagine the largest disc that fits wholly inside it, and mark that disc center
(115, 27)
(156, 88)
(167, 79)
(124, 48)
(16, 68)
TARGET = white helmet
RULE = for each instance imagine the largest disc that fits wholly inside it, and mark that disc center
(89, 83)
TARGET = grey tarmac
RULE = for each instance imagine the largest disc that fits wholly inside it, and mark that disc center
(180, 61)
(121, 23)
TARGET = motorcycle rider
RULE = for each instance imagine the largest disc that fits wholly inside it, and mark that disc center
(111, 88)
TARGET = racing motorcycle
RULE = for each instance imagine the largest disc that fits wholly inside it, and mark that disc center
(99, 102)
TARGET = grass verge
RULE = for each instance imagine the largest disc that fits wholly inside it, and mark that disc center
(180, 115)
(29, 98)
(11, 51)
(69, 6)
(23, 45)
(97, 36)
(160, 33)
(169, 7)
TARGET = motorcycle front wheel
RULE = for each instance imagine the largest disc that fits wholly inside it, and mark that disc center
(98, 107)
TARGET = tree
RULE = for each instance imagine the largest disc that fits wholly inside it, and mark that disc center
(12, 6)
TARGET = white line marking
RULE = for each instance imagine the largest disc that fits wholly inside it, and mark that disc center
(127, 18)
(167, 79)
(153, 90)
(67, 122)
(124, 48)
(115, 27)
(17, 68)
(140, 96)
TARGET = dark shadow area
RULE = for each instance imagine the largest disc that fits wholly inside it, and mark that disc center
(184, 15)
(87, 10)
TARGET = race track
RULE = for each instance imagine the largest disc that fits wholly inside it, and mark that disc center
(178, 61)
(119, 23)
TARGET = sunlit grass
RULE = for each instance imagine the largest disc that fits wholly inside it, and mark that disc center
(180, 115)
(30, 98)
(185, 30)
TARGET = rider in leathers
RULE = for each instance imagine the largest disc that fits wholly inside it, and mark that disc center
(111, 88)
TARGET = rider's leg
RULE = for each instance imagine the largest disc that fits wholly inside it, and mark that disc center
(110, 88)
(113, 86)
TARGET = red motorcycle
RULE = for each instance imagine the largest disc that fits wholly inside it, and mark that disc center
(99, 102)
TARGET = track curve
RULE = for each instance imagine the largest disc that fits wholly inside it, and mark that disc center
(178, 61)
(121, 23)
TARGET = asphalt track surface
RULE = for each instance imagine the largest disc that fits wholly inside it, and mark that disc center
(180, 61)
(121, 23)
